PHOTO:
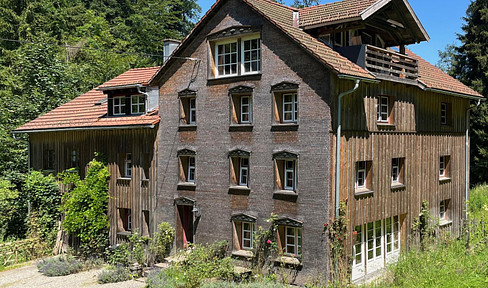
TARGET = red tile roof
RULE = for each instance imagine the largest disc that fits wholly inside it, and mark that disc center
(434, 78)
(342, 10)
(131, 77)
(282, 17)
(90, 109)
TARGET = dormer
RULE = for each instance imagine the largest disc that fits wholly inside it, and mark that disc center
(371, 33)
(130, 100)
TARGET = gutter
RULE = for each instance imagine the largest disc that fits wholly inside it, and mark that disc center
(119, 87)
(151, 126)
(466, 167)
(338, 144)
(453, 94)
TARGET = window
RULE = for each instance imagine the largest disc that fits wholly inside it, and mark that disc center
(49, 159)
(444, 165)
(187, 166)
(243, 171)
(125, 220)
(128, 165)
(138, 104)
(375, 244)
(363, 176)
(241, 105)
(290, 107)
(384, 110)
(293, 239)
(188, 107)
(237, 56)
(243, 238)
(75, 158)
(119, 106)
(286, 171)
(239, 170)
(285, 103)
(446, 113)
(397, 171)
(443, 212)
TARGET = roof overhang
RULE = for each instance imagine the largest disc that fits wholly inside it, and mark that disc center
(121, 87)
(149, 126)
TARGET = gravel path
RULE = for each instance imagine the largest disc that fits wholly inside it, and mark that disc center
(28, 276)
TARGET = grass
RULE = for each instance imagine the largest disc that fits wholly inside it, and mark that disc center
(449, 262)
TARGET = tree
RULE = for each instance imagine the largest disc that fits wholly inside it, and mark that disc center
(469, 64)
(304, 3)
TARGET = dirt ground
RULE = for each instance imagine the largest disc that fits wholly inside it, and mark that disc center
(27, 276)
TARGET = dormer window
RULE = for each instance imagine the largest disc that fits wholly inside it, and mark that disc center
(119, 105)
(137, 104)
(236, 51)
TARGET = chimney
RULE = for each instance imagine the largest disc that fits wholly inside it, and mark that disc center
(169, 45)
(296, 19)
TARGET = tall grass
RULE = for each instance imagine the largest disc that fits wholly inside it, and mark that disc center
(450, 262)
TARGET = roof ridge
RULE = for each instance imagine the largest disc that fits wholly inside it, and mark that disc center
(141, 68)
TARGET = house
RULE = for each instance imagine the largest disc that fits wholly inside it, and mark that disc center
(264, 109)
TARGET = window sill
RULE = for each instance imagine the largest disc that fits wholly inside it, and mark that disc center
(242, 253)
(397, 186)
(385, 126)
(445, 222)
(225, 79)
(124, 179)
(444, 179)
(239, 190)
(187, 186)
(363, 192)
(124, 233)
(288, 260)
(189, 127)
(47, 170)
(287, 195)
(285, 127)
(240, 128)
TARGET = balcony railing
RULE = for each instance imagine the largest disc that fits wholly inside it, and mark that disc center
(390, 63)
(384, 63)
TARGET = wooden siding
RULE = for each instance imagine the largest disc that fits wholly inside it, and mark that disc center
(137, 193)
(416, 135)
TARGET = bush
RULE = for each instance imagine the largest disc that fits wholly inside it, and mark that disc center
(163, 241)
(114, 274)
(478, 201)
(8, 198)
(201, 263)
(86, 208)
(118, 254)
(60, 266)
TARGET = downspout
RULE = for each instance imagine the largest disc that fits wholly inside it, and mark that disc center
(338, 145)
(466, 172)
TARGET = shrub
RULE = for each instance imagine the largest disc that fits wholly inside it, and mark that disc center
(60, 266)
(114, 274)
(478, 201)
(118, 254)
(163, 241)
(8, 197)
(260, 284)
(86, 208)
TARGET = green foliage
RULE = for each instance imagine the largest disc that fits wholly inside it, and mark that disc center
(340, 260)
(118, 255)
(423, 227)
(85, 208)
(8, 198)
(265, 247)
(257, 284)
(304, 3)
(114, 275)
(478, 202)
(201, 263)
(60, 266)
(163, 239)
(45, 198)
(16, 252)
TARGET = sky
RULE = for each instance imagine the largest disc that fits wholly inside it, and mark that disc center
(442, 19)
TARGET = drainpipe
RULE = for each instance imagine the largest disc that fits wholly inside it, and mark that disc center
(466, 172)
(146, 100)
(338, 145)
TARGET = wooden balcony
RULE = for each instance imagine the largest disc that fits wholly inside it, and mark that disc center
(385, 64)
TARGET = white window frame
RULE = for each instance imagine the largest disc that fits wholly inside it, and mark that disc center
(191, 169)
(442, 166)
(395, 170)
(250, 230)
(129, 220)
(296, 245)
(230, 53)
(383, 109)
(118, 103)
(294, 108)
(243, 170)
(250, 62)
(443, 113)
(361, 174)
(128, 165)
(136, 106)
(289, 171)
(443, 210)
(249, 109)
(192, 103)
